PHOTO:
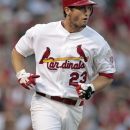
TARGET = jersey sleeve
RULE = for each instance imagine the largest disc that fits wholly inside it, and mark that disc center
(25, 45)
(104, 61)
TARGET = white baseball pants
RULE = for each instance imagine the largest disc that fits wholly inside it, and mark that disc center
(47, 114)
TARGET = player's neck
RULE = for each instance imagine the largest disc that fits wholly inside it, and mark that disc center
(70, 27)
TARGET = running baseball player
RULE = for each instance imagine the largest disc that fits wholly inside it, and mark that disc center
(72, 62)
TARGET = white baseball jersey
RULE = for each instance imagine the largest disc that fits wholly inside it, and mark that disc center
(63, 58)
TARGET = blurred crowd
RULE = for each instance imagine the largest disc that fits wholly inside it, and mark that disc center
(108, 109)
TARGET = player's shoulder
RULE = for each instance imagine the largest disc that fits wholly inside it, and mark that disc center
(94, 36)
(44, 27)
(97, 41)
(49, 25)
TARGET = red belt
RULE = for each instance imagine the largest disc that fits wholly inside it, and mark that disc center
(63, 100)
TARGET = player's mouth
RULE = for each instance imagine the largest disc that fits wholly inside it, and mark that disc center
(85, 19)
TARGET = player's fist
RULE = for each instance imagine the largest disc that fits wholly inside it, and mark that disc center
(84, 90)
(27, 80)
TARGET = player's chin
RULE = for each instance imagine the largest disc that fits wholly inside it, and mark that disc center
(83, 25)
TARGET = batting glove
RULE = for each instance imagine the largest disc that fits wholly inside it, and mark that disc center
(84, 90)
(27, 80)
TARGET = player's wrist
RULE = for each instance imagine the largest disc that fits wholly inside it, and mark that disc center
(85, 86)
(92, 87)
(21, 73)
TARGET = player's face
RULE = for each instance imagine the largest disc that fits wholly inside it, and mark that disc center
(79, 16)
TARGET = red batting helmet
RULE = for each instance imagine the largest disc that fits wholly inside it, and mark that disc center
(67, 3)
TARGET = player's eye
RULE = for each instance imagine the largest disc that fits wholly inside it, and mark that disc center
(83, 8)
(90, 8)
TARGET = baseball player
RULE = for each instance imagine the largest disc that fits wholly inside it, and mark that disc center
(72, 62)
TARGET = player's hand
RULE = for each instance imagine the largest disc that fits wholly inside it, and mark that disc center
(27, 80)
(84, 90)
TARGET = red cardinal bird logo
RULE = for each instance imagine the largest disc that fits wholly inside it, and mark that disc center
(81, 53)
(45, 55)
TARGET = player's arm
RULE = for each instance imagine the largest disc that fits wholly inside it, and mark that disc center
(86, 90)
(101, 82)
(26, 80)
(18, 61)
(24, 48)
(105, 68)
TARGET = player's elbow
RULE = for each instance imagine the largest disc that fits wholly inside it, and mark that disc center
(16, 55)
(110, 80)
(15, 52)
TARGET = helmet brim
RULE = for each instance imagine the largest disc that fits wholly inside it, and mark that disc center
(82, 3)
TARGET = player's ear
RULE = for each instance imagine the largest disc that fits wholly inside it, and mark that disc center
(67, 11)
